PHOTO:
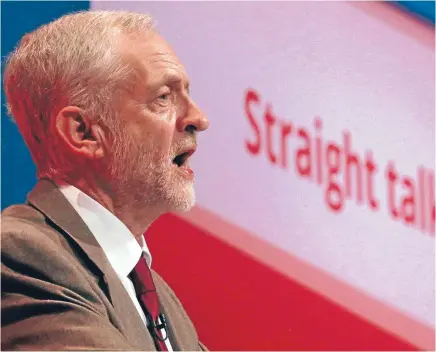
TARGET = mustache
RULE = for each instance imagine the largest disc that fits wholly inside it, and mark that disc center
(184, 144)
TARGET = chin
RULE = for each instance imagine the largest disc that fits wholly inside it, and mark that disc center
(183, 209)
(184, 199)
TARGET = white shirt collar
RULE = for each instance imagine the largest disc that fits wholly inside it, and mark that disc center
(118, 243)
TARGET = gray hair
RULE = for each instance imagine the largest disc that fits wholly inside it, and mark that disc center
(70, 61)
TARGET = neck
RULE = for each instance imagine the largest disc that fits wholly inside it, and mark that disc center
(136, 216)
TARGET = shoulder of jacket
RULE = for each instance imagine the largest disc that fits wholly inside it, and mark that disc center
(24, 227)
(22, 212)
(34, 252)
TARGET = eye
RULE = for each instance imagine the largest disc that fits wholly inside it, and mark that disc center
(164, 96)
(163, 100)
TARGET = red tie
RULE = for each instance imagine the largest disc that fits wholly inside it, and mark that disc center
(147, 296)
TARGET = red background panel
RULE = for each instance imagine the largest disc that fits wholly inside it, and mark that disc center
(238, 303)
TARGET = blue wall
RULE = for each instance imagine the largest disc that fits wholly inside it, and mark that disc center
(18, 18)
(424, 10)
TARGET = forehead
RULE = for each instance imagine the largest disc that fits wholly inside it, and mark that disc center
(154, 59)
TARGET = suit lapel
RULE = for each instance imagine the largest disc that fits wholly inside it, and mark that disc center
(169, 329)
(48, 199)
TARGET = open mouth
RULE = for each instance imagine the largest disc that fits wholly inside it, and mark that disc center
(181, 159)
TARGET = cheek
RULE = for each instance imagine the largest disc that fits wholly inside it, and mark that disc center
(165, 138)
(163, 129)
(154, 131)
(158, 137)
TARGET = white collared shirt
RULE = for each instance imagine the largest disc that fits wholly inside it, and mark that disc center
(118, 243)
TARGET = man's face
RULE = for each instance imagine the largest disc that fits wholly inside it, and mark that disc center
(150, 154)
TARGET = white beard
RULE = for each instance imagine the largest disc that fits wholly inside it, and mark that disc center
(150, 180)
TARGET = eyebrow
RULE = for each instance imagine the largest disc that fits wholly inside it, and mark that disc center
(170, 79)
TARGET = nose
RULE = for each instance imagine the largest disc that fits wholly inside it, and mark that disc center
(194, 120)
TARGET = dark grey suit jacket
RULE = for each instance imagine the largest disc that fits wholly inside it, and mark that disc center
(59, 291)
